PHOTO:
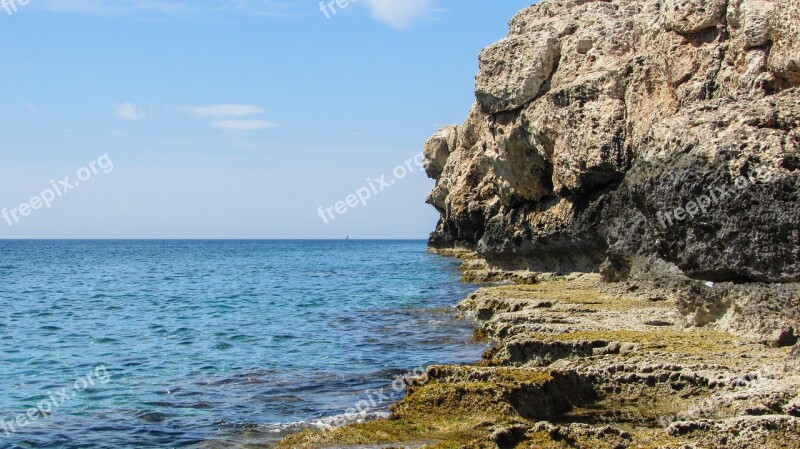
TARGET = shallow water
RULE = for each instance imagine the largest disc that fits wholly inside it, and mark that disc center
(210, 343)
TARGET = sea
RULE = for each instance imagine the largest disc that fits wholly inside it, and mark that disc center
(206, 344)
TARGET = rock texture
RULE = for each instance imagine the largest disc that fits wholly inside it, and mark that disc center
(630, 352)
(619, 136)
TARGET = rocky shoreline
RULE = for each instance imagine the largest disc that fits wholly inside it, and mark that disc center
(577, 362)
(645, 154)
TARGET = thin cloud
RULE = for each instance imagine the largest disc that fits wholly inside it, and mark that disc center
(399, 14)
(235, 117)
(244, 125)
(129, 112)
(119, 7)
(32, 109)
(169, 7)
(224, 110)
(232, 117)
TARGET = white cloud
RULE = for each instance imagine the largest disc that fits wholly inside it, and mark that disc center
(224, 110)
(236, 117)
(399, 13)
(244, 125)
(231, 117)
(129, 112)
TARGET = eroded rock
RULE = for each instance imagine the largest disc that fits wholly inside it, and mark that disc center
(663, 136)
(513, 71)
(693, 16)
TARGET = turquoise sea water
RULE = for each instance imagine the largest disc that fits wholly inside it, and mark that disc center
(151, 344)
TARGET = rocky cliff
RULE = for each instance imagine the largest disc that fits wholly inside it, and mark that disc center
(631, 137)
(628, 178)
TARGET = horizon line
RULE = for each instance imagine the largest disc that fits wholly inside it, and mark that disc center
(211, 239)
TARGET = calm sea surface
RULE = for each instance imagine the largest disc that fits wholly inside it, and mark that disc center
(151, 344)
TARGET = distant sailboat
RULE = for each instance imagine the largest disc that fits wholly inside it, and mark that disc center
(348, 236)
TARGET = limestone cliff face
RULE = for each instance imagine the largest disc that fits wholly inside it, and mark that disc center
(626, 134)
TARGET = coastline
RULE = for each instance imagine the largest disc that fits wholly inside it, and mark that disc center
(628, 175)
(576, 362)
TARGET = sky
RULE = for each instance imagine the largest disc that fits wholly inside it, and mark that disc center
(230, 119)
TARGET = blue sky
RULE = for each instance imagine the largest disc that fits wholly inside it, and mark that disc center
(230, 118)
